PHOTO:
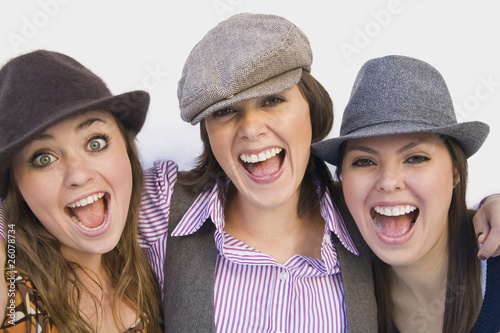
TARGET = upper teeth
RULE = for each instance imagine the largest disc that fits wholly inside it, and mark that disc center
(394, 211)
(87, 201)
(262, 156)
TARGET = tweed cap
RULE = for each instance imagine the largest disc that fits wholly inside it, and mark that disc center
(396, 95)
(41, 88)
(247, 56)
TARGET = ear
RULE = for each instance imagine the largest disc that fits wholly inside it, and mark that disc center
(456, 174)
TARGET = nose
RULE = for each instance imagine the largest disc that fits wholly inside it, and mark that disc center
(390, 179)
(78, 172)
(252, 123)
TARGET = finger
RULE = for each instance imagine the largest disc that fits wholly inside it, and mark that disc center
(481, 226)
(491, 244)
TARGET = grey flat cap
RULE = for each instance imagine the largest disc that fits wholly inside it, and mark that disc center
(396, 95)
(247, 56)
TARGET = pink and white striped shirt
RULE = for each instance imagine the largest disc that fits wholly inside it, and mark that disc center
(253, 292)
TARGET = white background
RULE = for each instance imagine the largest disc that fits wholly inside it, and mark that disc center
(143, 45)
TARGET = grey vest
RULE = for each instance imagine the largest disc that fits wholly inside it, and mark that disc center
(190, 272)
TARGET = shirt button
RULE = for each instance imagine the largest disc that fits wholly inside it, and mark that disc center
(283, 276)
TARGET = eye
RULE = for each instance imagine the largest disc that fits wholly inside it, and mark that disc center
(43, 160)
(273, 100)
(98, 143)
(417, 159)
(363, 163)
(222, 113)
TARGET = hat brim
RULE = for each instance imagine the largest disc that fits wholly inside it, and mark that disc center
(131, 108)
(470, 135)
(274, 85)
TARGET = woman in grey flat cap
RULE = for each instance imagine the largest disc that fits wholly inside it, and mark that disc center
(283, 259)
(402, 161)
(72, 180)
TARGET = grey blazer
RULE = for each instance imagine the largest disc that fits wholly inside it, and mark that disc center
(190, 261)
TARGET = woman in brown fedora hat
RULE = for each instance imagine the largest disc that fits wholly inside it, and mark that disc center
(403, 170)
(72, 182)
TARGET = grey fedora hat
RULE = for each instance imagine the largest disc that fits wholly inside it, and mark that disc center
(40, 88)
(243, 57)
(396, 95)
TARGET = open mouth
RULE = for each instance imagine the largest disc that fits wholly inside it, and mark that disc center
(264, 164)
(89, 213)
(394, 221)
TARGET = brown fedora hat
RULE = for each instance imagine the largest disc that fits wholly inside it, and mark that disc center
(41, 88)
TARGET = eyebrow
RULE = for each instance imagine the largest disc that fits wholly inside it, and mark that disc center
(85, 124)
(88, 123)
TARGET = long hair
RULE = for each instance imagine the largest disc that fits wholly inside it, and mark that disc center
(463, 287)
(207, 171)
(38, 254)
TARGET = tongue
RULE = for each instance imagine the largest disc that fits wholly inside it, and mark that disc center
(265, 168)
(395, 226)
(91, 215)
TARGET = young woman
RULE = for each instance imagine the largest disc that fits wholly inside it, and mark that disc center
(403, 168)
(72, 187)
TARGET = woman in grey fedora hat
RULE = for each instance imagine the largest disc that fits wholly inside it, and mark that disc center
(72, 182)
(402, 162)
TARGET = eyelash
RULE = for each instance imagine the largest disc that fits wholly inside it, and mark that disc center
(361, 163)
(38, 155)
(366, 162)
(274, 100)
(271, 101)
(102, 136)
(421, 159)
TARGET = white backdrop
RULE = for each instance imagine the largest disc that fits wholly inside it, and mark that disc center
(143, 44)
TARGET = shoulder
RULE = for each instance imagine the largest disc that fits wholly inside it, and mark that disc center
(162, 171)
(25, 306)
(159, 181)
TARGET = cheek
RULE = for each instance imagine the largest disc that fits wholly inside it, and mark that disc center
(121, 174)
(39, 193)
(354, 189)
(438, 181)
(220, 144)
(215, 134)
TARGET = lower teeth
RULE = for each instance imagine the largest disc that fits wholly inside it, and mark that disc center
(377, 223)
(77, 220)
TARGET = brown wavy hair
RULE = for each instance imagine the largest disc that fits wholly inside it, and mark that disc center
(207, 171)
(38, 254)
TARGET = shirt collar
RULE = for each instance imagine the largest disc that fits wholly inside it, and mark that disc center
(208, 204)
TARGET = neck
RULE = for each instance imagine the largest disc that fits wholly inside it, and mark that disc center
(90, 261)
(279, 232)
(418, 291)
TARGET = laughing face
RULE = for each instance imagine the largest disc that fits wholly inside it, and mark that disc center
(398, 189)
(76, 177)
(263, 145)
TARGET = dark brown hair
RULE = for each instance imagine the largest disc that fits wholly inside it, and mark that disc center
(208, 172)
(463, 290)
